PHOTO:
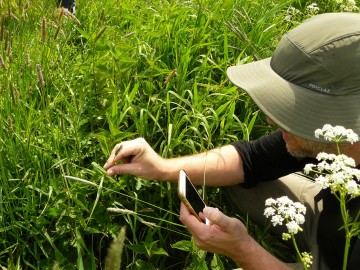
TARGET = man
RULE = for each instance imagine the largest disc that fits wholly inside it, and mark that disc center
(312, 79)
(68, 4)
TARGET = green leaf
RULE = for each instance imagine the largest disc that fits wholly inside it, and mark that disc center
(158, 251)
(141, 265)
(184, 245)
(216, 263)
(138, 249)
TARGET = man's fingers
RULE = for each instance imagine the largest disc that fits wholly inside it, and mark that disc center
(121, 169)
(190, 221)
(218, 218)
(124, 151)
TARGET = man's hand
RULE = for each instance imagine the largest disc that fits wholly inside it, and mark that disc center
(135, 157)
(228, 236)
(224, 235)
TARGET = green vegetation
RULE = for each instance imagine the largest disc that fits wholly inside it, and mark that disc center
(72, 87)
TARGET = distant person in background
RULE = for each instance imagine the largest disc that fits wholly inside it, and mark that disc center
(68, 4)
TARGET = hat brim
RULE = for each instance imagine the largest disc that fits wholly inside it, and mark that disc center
(296, 109)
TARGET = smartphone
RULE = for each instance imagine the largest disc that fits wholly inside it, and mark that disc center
(190, 197)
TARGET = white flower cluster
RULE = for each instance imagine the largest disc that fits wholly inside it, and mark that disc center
(283, 209)
(336, 134)
(293, 14)
(348, 5)
(313, 8)
(336, 172)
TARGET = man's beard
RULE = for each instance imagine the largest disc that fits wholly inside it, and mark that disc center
(310, 149)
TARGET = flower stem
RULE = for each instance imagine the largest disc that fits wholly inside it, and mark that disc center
(298, 252)
(346, 228)
(338, 148)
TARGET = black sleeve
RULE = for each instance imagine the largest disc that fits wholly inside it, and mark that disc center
(267, 159)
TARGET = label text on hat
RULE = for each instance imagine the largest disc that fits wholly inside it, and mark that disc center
(319, 88)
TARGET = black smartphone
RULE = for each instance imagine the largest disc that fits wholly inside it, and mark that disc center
(190, 197)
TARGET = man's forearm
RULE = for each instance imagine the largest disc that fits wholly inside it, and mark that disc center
(219, 167)
(254, 257)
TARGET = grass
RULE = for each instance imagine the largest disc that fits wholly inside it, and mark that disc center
(72, 87)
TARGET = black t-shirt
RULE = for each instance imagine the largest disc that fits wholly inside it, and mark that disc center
(267, 159)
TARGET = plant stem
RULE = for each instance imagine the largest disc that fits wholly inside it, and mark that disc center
(346, 228)
(298, 252)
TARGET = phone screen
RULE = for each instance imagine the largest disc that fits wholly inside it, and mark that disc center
(193, 197)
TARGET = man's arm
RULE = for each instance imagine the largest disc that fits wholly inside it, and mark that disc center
(228, 236)
(220, 167)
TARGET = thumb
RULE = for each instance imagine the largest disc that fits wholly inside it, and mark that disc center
(124, 168)
(218, 218)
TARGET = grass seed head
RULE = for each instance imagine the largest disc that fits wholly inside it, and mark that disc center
(40, 76)
(57, 32)
(43, 29)
(26, 7)
(2, 63)
(10, 55)
(6, 41)
(61, 13)
(99, 34)
(129, 35)
(113, 257)
(27, 61)
(170, 76)
(121, 211)
(67, 13)
(2, 28)
(10, 125)
(101, 18)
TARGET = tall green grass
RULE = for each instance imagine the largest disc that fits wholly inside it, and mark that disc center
(72, 87)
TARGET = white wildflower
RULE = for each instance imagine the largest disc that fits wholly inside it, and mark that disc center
(322, 181)
(288, 18)
(299, 218)
(300, 207)
(338, 178)
(284, 200)
(318, 133)
(352, 137)
(337, 172)
(270, 202)
(349, 6)
(308, 168)
(313, 7)
(269, 211)
(352, 187)
(293, 227)
(285, 210)
(336, 134)
(277, 220)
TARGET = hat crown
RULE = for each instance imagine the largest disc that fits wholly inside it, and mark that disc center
(322, 54)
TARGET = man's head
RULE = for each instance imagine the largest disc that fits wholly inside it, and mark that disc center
(299, 147)
(312, 78)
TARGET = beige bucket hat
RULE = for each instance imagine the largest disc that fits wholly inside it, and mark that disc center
(312, 78)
